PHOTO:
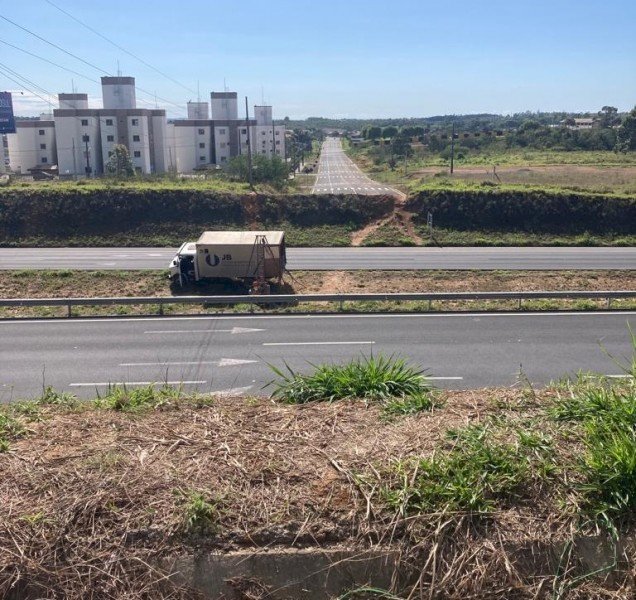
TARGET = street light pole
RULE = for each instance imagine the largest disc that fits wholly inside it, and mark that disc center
(249, 145)
(452, 149)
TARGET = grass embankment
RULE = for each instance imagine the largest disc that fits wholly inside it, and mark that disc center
(463, 214)
(95, 284)
(495, 493)
(147, 217)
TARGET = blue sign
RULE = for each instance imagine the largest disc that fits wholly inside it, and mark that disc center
(7, 120)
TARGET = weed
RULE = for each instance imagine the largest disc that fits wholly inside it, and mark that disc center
(370, 378)
(199, 515)
(410, 405)
(10, 428)
(53, 397)
(121, 398)
(473, 475)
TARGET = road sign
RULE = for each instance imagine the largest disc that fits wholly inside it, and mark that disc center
(7, 120)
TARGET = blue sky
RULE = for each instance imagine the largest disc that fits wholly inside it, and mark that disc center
(347, 58)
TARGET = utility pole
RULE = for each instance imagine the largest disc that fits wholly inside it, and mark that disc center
(74, 161)
(452, 149)
(249, 145)
(88, 158)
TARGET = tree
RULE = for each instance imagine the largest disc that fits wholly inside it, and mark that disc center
(626, 135)
(373, 133)
(119, 164)
(389, 132)
(401, 146)
(608, 116)
(264, 170)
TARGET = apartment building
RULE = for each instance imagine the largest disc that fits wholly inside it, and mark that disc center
(81, 140)
(87, 137)
(33, 145)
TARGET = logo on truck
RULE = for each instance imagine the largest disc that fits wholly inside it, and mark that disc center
(209, 259)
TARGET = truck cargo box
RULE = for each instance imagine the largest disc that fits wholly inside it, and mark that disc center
(240, 255)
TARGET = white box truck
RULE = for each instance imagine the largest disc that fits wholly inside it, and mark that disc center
(247, 256)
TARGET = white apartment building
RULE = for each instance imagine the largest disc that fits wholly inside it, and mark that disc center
(81, 140)
(32, 146)
(87, 137)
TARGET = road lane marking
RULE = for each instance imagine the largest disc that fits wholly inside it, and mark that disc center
(314, 343)
(443, 378)
(224, 362)
(107, 383)
(233, 331)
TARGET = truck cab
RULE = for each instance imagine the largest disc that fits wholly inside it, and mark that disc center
(182, 267)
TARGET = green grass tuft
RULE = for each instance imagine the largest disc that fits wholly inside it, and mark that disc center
(476, 473)
(121, 398)
(374, 378)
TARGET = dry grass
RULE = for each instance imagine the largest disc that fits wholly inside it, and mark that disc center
(65, 284)
(91, 501)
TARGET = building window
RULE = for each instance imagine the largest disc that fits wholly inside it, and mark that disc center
(84, 122)
(223, 158)
(278, 142)
(201, 145)
(41, 132)
(86, 138)
(262, 133)
(278, 133)
(221, 131)
(223, 144)
(202, 158)
(42, 146)
(137, 154)
(44, 159)
(243, 131)
(110, 153)
(201, 131)
(134, 122)
(109, 122)
(136, 138)
(110, 138)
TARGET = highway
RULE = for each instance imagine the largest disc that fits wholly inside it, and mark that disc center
(231, 354)
(330, 259)
(338, 174)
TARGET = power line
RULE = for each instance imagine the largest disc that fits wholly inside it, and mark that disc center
(86, 62)
(39, 37)
(141, 60)
(49, 61)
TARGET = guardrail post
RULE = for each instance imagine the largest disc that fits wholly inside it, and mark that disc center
(68, 313)
(430, 305)
(340, 306)
(519, 302)
(161, 308)
(609, 303)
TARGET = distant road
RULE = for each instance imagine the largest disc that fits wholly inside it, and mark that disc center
(338, 174)
(217, 353)
(330, 259)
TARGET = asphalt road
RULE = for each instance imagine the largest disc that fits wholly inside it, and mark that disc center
(231, 354)
(338, 174)
(337, 258)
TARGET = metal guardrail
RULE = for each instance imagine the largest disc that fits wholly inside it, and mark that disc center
(340, 299)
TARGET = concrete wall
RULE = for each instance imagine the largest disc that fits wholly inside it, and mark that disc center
(70, 130)
(118, 92)
(25, 145)
(224, 106)
(198, 110)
